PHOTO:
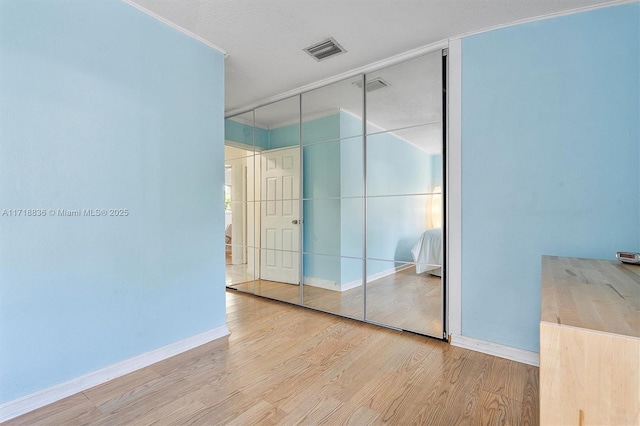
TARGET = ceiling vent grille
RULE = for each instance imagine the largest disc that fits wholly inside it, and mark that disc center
(325, 49)
(375, 84)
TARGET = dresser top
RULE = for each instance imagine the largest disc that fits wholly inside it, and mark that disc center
(602, 295)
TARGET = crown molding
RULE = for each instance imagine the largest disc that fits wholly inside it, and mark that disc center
(176, 27)
(544, 17)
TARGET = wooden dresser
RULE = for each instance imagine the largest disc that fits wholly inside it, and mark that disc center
(589, 342)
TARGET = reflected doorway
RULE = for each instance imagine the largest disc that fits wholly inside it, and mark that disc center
(236, 218)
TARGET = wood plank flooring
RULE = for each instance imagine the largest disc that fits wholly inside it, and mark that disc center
(403, 300)
(286, 365)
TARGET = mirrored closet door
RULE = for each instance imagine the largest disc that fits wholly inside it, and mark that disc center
(404, 209)
(333, 165)
(277, 184)
(334, 198)
(240, 225)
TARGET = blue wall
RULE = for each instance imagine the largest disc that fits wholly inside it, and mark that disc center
(550, 159)
(351, 154)
(321, 190)
(396, 167)
(282, 137)
(105, 107)
(321, 129)
(351, 185)
(321, 224)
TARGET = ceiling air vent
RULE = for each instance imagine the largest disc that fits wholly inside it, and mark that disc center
(375, 84)
(325, 49)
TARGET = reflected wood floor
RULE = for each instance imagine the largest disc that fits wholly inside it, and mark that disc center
(288, 365)
(404, 300)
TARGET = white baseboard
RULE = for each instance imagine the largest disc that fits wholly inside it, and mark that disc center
(350, 285)
(496, 349)
(38, 399)
(373, 277)
(388, 272)
(321, 283)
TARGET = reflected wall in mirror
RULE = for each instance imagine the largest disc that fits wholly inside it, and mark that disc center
(396, 166)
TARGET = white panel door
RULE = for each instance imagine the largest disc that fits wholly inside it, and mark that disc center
(280, 217)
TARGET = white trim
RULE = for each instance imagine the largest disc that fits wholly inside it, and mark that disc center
(351, 285)
(296, 120)
(332, 285)
(242, 120)
(454, 189)
(319, 115)
(388, 272)
(373, 277)
(420, 147)
(176, 27)
(342, 76)
(243, 146)
(282, 148)
(321, 283)
(38, 399)
(356, 116)
(496, 349)
(547, 16)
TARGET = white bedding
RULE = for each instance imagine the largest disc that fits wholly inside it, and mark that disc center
(427, 252)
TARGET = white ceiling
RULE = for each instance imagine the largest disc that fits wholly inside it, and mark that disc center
(410, 106)
(264, 38)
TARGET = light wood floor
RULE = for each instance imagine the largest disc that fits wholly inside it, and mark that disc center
(404, 300)
(288, 365)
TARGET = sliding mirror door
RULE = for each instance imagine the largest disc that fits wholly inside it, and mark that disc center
(404, 207)
(278, 213)
(240, 243)
(334, 198)
(333, 180)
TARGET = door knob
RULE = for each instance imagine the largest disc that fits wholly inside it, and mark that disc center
(295, 222)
